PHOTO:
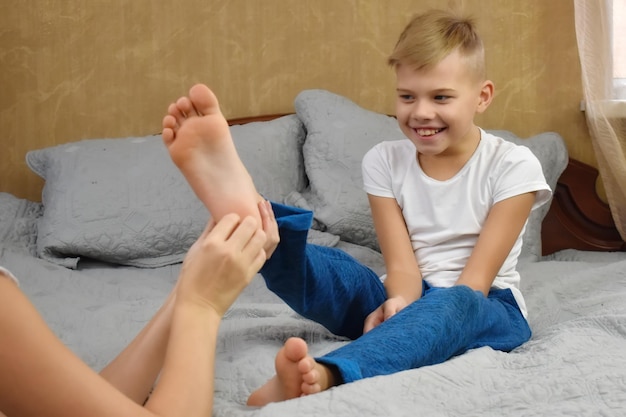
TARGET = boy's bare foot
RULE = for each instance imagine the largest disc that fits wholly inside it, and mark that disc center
(199, 142)
(297, 374)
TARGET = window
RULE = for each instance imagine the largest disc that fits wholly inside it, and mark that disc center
(619, 49)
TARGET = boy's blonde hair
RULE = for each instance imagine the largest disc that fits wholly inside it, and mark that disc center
(431, 36)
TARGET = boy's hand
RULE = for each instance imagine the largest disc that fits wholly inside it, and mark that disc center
(385, 311)
(222, 262)
(270, 227)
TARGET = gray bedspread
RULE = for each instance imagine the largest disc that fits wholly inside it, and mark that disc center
(574, 365)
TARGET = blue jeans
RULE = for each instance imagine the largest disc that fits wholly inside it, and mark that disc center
(332, 288)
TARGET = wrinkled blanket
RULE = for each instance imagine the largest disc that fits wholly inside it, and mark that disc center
(574, 365)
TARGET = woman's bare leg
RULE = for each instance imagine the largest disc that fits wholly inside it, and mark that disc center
(136, 368)
(297, 374)
(198, 139)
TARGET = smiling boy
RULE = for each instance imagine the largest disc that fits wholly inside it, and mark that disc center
(449, 207)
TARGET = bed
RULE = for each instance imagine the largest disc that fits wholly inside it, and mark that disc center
(100, 253)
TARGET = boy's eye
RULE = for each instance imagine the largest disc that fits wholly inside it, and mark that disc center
(406, 97)
(441, 98)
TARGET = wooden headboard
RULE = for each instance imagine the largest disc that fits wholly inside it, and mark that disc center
(577, 218)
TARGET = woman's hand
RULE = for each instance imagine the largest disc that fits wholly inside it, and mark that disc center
(270, 227)
(384, 312)
(222, 262)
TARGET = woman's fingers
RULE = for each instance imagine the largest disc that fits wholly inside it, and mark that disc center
(223, 261)
(270, 227)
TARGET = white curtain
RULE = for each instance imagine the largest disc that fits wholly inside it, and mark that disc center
(606, 116)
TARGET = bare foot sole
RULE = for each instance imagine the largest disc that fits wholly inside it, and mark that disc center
(198, 139)
(297, 374)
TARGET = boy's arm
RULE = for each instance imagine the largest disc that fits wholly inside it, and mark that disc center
(499, 233)
(404, 279)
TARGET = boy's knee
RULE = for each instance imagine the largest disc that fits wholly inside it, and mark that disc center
(457, 293)
(458, 299)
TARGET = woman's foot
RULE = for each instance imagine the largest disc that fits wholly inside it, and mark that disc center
(297, 374)
(198, 139)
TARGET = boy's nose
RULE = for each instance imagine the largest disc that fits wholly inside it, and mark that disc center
(422, 110)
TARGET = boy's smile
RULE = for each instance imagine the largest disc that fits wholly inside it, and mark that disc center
(428, 132)
(436, 106)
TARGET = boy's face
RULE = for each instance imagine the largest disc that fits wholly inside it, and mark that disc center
(435, 107)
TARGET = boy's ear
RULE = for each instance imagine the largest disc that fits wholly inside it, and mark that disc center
(485, 97)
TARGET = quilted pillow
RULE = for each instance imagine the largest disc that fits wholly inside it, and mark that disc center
(339, 133)
(124, 201)
(551, 151)
(18, 223)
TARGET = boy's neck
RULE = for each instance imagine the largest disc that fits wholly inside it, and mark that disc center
(445, 166)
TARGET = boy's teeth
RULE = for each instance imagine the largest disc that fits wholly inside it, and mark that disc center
(427, 132)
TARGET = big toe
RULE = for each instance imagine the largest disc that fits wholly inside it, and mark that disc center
(203, 99)
(295, 349)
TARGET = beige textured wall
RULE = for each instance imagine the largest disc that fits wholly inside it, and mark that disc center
(74, 69)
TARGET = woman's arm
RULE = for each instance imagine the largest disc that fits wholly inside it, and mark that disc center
(497, 237)
(404, 279)
(135, 369)
(40, 376)
(234, 253)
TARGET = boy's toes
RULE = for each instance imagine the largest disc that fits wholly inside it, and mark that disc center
(186, 107)
(168, 136)
(311, 377)
(309, 389)
(169, 126)
(203, 99)
(169, 122)
(175, 112)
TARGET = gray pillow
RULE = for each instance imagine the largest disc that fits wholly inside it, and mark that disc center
(339, 133)
(18, 223)
(551, 151)
(123, 200)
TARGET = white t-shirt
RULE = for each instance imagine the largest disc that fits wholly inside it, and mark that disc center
(444, 218)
